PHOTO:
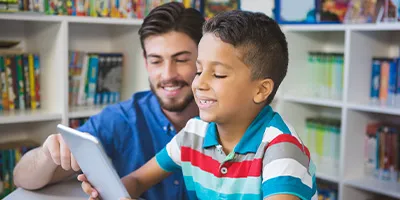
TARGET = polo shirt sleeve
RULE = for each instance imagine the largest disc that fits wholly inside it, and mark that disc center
(287, 169)
(169, 158)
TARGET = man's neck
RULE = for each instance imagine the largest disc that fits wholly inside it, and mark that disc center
(179, 119)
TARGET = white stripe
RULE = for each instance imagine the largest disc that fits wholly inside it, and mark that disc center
(174, 151)
(293, 132)
(315, 197)
(197, 127)
(287, 167)
(270, 134)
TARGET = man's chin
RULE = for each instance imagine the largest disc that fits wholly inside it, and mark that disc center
(173, 106)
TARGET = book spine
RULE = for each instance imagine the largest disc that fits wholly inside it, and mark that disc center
(375, 81)
(32, 82)
(27, 81)
(21, 83)
(37, 79)
(392, 83)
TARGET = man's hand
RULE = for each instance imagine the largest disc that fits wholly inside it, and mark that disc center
(56, 149)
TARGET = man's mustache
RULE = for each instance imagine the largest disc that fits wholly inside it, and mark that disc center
(172, 82)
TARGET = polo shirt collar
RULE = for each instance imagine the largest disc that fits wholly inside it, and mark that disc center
(252, 137)
(156, 109)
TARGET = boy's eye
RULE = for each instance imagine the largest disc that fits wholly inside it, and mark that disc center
(219, 76)
(198, 73)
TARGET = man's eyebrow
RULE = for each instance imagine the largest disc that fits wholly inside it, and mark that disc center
(154, 55)
(181, 53)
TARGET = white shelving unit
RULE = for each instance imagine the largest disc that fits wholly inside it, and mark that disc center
(359, 43)
(53, 36)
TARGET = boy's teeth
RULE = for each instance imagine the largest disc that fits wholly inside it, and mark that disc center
(171, 88)
(205, 102)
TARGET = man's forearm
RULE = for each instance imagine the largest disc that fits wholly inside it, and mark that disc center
(35, 170)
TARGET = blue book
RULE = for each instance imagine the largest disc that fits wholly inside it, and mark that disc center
(391, 99)
(375, 80)
(398, 84)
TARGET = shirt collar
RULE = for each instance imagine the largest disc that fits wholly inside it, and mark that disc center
(251, 139)
(156, 108)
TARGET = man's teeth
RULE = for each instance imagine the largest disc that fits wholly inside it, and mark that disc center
(172, 88)
(206, 102)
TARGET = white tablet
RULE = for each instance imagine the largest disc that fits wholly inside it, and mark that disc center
(94, 163)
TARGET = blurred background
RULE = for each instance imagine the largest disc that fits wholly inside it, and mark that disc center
(62, 61)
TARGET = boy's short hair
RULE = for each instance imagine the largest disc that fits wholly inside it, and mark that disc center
(259, 39)
(172, 17)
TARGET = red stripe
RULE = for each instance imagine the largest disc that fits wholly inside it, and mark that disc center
(235, 169)
(289, 138)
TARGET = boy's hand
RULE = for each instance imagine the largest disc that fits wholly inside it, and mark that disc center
(87, 188)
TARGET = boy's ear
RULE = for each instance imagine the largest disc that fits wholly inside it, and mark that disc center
(264, 89)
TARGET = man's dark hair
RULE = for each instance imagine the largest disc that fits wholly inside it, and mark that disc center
(259, 39)
(172, 17)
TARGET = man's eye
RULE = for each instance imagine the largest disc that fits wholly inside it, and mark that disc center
(198, 73)
(181, 61)
(155, 62)
(219, 76)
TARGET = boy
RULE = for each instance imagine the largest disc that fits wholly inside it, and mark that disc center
(239, 148)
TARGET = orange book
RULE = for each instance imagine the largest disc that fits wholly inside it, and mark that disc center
(383, 90)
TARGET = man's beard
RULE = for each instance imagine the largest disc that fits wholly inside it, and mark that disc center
(173, 106)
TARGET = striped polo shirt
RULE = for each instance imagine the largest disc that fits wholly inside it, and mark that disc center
(269, 159)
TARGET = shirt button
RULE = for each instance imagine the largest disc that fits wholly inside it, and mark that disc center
(224, 170)
(165, 128)
(176, 182)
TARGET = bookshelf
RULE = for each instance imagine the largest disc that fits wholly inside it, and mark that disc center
(359, 43)
(53, 36)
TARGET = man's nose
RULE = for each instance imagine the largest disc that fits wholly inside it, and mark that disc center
(170, 71)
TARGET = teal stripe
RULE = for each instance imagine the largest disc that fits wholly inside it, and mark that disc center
(194, 175)
(278, 123)
(165, 162)
(205, 193)
(288, 185)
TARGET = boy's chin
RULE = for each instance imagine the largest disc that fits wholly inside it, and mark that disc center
(207, 117)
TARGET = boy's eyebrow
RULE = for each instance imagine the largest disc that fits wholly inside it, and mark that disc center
(214, 63)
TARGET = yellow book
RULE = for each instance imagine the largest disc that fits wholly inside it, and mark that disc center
(32, 81)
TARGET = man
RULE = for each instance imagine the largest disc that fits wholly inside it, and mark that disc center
(133, 131)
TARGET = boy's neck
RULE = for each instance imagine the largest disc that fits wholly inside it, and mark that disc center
(230, 133)
(179, 119)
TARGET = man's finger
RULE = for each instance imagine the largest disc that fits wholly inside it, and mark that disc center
(54, 148)
(74, 164)
(65, 155)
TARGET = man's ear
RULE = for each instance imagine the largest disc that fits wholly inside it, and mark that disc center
(264, 89)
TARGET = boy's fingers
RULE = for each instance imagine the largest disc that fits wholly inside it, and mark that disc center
(82, 177)
(87, 188)
(94, 193)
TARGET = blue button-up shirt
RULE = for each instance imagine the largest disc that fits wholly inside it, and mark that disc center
(132, 132)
